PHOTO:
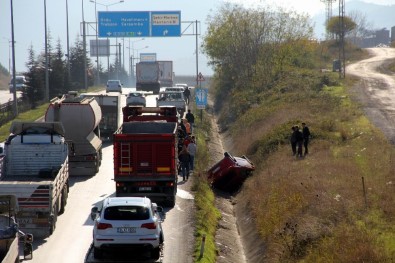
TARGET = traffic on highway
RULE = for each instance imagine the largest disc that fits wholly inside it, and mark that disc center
(146, 217)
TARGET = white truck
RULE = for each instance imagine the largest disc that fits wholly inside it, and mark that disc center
(147, 76)
(80, 118)
(36, 171)
(111, 109)
(165, 73)
(10, 235)
(172, 98)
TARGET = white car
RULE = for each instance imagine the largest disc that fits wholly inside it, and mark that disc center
(131, 223)
(114, 85)
(136, 98)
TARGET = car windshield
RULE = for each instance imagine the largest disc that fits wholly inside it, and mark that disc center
(126, 213)
(135, 95)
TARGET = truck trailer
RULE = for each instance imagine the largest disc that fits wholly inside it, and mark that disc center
(147, 76)
(166, 73)
(10, 235)
(110, 106)
(36, 171)
(145, 160)
(80, 118)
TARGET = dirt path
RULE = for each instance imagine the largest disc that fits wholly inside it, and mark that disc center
(376, 89)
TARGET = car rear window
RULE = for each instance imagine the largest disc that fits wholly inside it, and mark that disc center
(126, 213)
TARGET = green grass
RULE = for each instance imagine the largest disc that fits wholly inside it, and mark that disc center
(207, 216)
(31, 115)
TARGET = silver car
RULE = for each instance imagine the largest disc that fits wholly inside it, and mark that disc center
(114, 86)
(136, 99)
(131, 223)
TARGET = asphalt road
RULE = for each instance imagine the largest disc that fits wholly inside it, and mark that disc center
(72, 238)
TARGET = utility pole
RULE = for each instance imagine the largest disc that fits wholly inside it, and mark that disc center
(342, 59)
(328, 12)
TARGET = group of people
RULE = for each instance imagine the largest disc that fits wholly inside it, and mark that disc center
(186, 145)
(300, 138)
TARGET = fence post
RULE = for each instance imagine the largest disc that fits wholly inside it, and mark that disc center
(202, 246)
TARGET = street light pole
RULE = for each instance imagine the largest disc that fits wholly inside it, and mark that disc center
(46, 54)
(13, 61)
(97, 49)
(68, 42)
(84, 47)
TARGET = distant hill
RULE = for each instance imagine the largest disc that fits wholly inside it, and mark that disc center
(380, 16)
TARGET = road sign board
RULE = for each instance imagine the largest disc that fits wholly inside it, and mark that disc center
(166, 24)
(139, 24)
(200, 77)
(124, 24)
(201, 98)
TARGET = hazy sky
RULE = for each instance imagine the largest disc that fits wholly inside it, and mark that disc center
(29, 26)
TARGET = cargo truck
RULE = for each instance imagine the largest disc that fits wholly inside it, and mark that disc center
(145, 160)
(110, 106)
(147, 76)
(80, 118)
(35, 170)
(10, 235)
(152, 75)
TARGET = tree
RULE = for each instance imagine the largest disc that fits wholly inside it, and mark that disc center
(77, 66)
(58, 78)
(35, 78)
(334, 26)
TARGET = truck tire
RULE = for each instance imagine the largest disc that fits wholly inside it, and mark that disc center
(155, 253)
(63, 200)
(54, 219)
(97, 253)
(170, 203)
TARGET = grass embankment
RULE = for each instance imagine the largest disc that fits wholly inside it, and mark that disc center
(335, 205)
(207, 216)
(31, 115)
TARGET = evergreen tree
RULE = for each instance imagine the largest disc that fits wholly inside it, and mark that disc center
(36, 80)
(77, 66)
(58, 73)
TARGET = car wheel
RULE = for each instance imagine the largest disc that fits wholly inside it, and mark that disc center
(155, 253)
(97, 253)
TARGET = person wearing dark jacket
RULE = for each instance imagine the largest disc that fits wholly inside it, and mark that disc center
(190, 118)
(299, 141)
(293, 140)
(184, 158)
(306, 137)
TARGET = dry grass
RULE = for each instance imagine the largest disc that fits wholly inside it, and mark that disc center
(315, 209)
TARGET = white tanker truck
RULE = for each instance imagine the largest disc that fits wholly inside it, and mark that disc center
(80, 118)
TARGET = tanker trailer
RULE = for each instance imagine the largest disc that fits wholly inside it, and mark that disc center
(80, 118)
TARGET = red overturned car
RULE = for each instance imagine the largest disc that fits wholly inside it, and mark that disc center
(230, 173)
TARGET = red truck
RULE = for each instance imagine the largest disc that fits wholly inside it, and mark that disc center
(145, 159)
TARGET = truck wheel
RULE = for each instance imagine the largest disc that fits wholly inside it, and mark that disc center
(63, 200)
(97, 253)
(155, 253)
(170, 203)
(54, 219)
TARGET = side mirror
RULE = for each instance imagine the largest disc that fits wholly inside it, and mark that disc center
(94, 212)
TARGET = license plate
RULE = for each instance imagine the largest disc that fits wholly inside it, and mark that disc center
(126, 230)
(141, 189)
